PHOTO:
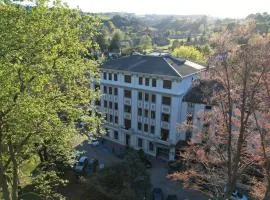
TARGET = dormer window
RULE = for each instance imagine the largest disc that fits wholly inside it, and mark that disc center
(127, 79)
(167, 84)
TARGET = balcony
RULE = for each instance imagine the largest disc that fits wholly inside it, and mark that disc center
(165, 125)
(110, 111)
(110, 97)
(165, 109)
(146, 105)
(153, 122)
(145, 120)
(139, 118)
(127, 115)
(153, 106)
(140, 104)
(115, 98)
(127, 101)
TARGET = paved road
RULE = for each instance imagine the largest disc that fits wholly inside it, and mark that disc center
(158, 172)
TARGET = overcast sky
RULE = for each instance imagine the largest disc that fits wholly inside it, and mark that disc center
(216, 8)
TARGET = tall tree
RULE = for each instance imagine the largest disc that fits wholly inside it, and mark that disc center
(190, 53)
(115, 44)
(44, 78)
(230, 143)
(146, 42)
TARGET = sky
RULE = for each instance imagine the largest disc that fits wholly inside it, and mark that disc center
(215, 8)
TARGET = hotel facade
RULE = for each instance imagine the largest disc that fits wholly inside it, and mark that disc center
(143, 101)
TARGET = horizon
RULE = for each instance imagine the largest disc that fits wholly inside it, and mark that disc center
(230, 8)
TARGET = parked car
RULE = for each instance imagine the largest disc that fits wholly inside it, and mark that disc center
(236, 195)
(81, 164)
(93, 141)
(157, 194)
(172, 197)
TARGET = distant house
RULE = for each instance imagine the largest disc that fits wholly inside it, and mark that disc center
(144, 98)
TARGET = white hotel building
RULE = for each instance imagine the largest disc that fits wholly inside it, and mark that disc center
(142, 100)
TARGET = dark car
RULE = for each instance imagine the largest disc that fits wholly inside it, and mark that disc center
(172, 197)
(157, 194)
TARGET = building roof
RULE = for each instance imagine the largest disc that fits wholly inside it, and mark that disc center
(158, 65)
(202, 91)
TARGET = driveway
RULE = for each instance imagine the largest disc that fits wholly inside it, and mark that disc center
(158, 172)
(158, 175)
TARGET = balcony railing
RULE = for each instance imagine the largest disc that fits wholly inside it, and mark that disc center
(127, 115)
(127, 101)
(166, 109)
(165, 125)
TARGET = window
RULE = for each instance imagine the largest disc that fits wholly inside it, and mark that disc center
(127, 93)
(107, 132)
(97, 102)
(139, 112)
(127, 78)
(152, 130)
(140, 142)
(116, 119)
(110, 104)
(151, 146)
(154, 83)
(116, 106)
(115, 91)
(165, 117)
(110, 76)
(111, 118)
(106, 117)
(115, 135)
(147, 81)
(145, 127)
(104, 89)
(115, 77)
(153, 98)
(139, 126)
(105, 104)
(164, 134)
(167, 84)
(166, 101)
(127, 123)
(110, 90)
(104, 75)
(97, 87)
(208, 107)
(146, 97)
(145, 113)
(127, 109)
(153, 115)
(140, 80)
(189, 119)
(140, 96)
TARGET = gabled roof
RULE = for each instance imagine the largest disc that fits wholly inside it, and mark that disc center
(158, 65)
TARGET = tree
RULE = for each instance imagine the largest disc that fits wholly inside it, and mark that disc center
(228, 148)
(125, 180)
(190, 53)
(146, 42)
(45, 74)
(115, 44)
(175, 44)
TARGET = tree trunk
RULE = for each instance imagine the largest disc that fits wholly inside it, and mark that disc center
(4, 186)
(15, 178)
(267, 192)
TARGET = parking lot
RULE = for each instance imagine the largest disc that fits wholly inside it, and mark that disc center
(105, 153)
